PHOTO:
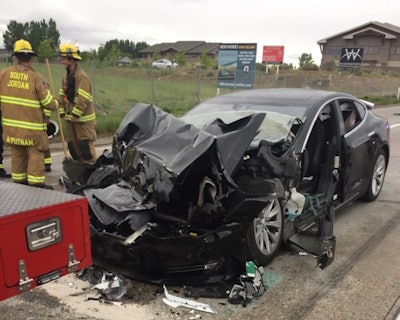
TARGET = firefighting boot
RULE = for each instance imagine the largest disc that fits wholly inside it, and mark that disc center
(4, 174)
(42, 186)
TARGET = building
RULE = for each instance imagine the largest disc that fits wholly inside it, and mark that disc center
(380, 44)
(124, 62)
(192, 49)
(5, 55)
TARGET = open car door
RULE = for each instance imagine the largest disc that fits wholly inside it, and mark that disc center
(319, 180)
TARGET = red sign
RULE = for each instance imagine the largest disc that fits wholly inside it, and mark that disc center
(273, 54)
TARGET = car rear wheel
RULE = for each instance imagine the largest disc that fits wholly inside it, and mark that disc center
(376, 178)
(264, 236)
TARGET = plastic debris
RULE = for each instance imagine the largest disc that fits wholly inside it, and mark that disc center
(251, 285)
(174, 301)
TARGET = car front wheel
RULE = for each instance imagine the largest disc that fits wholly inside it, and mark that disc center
(376, 178)
(264, 236)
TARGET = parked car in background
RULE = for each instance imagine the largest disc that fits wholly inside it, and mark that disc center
(164, 64)
(190, 199)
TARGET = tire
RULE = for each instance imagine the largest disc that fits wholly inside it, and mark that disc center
(103, 176)
(265, 233)
(376, 178)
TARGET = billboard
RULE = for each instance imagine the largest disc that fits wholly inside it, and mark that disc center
(273, 54)
(236, 65)
(351, 58)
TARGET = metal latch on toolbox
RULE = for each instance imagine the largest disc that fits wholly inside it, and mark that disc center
(72, 262)
(43, 233)
(25, 282)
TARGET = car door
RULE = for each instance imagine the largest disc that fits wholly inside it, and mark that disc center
(319, 179)
(320, 149)
(354, 154)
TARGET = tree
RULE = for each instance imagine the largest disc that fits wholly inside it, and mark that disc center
(206, 60)
(329, 66)
(125, 47)
(45, 49)
(90, 55)
(112, 56)
(139, 46)
(44, 38)
(15, 31)
(157, 55)
(181, 58)
(306, 62)
(35, 32)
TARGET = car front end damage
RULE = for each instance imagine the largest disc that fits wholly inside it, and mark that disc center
(182, 198)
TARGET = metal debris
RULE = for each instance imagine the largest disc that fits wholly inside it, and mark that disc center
(174, 301)
(111, 287)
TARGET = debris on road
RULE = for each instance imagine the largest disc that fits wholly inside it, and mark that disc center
(174, 301)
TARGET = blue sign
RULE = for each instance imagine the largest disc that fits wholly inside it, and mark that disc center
(236, 65)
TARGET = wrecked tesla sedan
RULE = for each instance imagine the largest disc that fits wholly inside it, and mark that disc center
(190, 199)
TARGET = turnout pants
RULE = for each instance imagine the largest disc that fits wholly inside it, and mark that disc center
(81, 137)
(27, 165)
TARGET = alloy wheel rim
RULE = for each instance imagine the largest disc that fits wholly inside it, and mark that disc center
(268, 228)
(378, 175)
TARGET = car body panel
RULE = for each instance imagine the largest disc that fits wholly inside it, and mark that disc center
(189, 189)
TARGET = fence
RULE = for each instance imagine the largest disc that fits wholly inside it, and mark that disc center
(374, 85)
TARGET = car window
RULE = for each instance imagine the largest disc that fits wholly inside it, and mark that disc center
(361, 109)
(351, 114)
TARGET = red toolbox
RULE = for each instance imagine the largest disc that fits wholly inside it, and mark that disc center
(44, 234)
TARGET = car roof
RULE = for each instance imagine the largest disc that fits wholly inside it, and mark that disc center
(277, 98)
(300, 97)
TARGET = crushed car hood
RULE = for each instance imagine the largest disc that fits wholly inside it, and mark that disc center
(175, 144)
(156, 152)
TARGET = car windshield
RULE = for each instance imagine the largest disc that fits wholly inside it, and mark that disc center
(294, 111)
(275, 127)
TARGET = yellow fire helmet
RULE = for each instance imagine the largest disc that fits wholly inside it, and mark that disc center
(23, 46)
(69, 50)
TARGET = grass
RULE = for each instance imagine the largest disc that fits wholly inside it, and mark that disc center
(116, 89)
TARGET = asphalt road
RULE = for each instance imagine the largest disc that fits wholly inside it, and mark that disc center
(362, 283)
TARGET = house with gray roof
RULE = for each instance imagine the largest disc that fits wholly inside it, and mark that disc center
(192, 49)
(380, 43)
(124, 62)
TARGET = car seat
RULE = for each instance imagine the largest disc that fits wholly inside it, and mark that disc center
(313, 157)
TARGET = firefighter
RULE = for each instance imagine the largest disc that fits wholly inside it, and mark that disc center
(24, 95)
(3, 172)
(76, 107)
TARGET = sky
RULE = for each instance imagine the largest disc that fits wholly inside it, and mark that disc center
(295, 24)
